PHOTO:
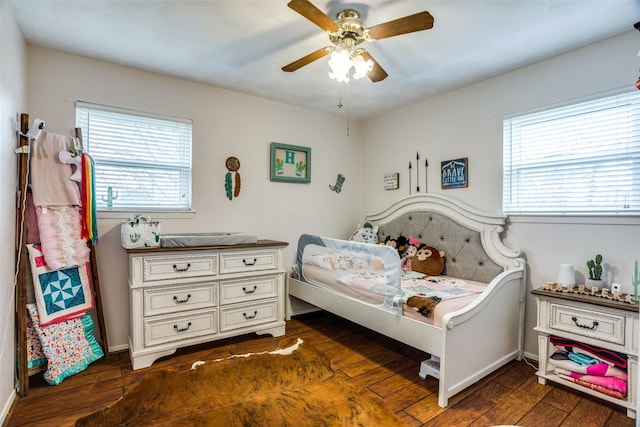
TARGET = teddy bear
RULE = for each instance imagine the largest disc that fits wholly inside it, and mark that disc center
(428, 260)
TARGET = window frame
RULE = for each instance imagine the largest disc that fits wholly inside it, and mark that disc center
(603, 214)
(180, 129)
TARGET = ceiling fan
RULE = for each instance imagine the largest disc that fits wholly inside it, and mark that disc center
(349, 31)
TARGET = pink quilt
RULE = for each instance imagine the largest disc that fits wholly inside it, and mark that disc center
(60, 229)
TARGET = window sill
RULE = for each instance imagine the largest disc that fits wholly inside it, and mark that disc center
(575, 219)
(123, 215)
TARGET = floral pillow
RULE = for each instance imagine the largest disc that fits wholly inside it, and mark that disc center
(69, 346)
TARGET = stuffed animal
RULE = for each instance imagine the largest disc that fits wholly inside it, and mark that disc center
(428, 260)
(365, 234)
(423, 304)
(409, 253)
(399, 244)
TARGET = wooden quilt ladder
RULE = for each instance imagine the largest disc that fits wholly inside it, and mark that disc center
(23, 271)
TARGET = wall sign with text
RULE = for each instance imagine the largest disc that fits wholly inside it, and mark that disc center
(455, 173)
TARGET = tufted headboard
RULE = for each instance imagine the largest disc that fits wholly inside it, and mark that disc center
(470, 239)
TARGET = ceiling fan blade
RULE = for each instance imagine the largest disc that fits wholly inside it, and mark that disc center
(377, 73)
(313, 14)
(416, 22)
(305, 60)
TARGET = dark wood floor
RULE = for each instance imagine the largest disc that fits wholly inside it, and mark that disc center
(511, 395)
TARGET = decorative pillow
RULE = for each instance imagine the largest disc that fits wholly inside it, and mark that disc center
(68, 346)
(35, 354)
(60, 294)
(365, 234)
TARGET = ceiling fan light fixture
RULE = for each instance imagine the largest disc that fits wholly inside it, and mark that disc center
(340, 64)
(343, 60)
(361, 67)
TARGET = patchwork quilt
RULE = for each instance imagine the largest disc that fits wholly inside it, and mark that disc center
(60, 294)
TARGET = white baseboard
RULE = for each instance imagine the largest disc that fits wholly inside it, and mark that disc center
(7, 407)
(531, 356)
(121, 347)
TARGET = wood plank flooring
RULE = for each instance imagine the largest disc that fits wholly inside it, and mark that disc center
(511, 395)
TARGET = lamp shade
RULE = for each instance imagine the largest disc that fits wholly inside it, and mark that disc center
(566, 275)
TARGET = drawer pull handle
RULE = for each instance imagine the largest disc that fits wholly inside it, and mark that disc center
(249, 264)
(181, 269)
(175, 327)
(255, 313)
(593, 326)
(181, 301)
(250, 291)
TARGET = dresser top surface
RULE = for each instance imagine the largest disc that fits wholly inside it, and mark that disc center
(590, 299)
(259, 244)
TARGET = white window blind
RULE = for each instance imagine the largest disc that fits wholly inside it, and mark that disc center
(142, 161)
(577, 159)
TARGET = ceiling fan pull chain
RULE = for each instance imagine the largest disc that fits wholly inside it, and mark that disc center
(348, 105)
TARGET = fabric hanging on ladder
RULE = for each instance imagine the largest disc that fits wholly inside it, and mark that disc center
(50, 181)
(60, 236)
(89, 213)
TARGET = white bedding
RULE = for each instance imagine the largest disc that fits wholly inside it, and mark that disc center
(364, 276)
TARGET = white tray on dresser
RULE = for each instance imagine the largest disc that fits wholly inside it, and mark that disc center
(190, 295)
(593, 320)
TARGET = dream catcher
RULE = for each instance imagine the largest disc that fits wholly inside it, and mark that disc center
(231, 183)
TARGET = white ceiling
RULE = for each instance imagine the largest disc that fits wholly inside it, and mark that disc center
(242, 45)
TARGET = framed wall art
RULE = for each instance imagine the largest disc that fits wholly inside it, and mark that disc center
(391, 181)
(290, 163)
(455, 173)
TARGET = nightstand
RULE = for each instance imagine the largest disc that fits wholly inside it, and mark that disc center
(593, 320)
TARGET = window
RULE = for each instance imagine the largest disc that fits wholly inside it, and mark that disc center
(142, 162)
(577, 159)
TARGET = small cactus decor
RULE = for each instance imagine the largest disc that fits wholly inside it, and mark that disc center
(635, 281)
(110, 197)
(595, 268)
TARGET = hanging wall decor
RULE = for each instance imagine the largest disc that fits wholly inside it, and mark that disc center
(391, 181)
(339, 181)
(426, 164)
(231, 184)
(290, 163)
(455, 173)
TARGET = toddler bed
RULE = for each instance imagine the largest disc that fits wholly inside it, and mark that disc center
(475, 324)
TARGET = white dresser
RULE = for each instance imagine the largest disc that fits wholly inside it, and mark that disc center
(185, 296)
(593, 320)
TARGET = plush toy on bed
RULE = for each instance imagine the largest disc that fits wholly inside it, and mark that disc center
(409, 253)
(428, 260)
(365, 234)
(399, 244)
(423, 304)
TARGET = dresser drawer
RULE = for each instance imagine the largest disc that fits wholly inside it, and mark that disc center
(179, 267)
(160, 330)
(598, 325)
(241, 262)
(234, 317)
(178, 298)
(248, 289)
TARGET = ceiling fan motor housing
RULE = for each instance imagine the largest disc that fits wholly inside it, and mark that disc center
(351, 28)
